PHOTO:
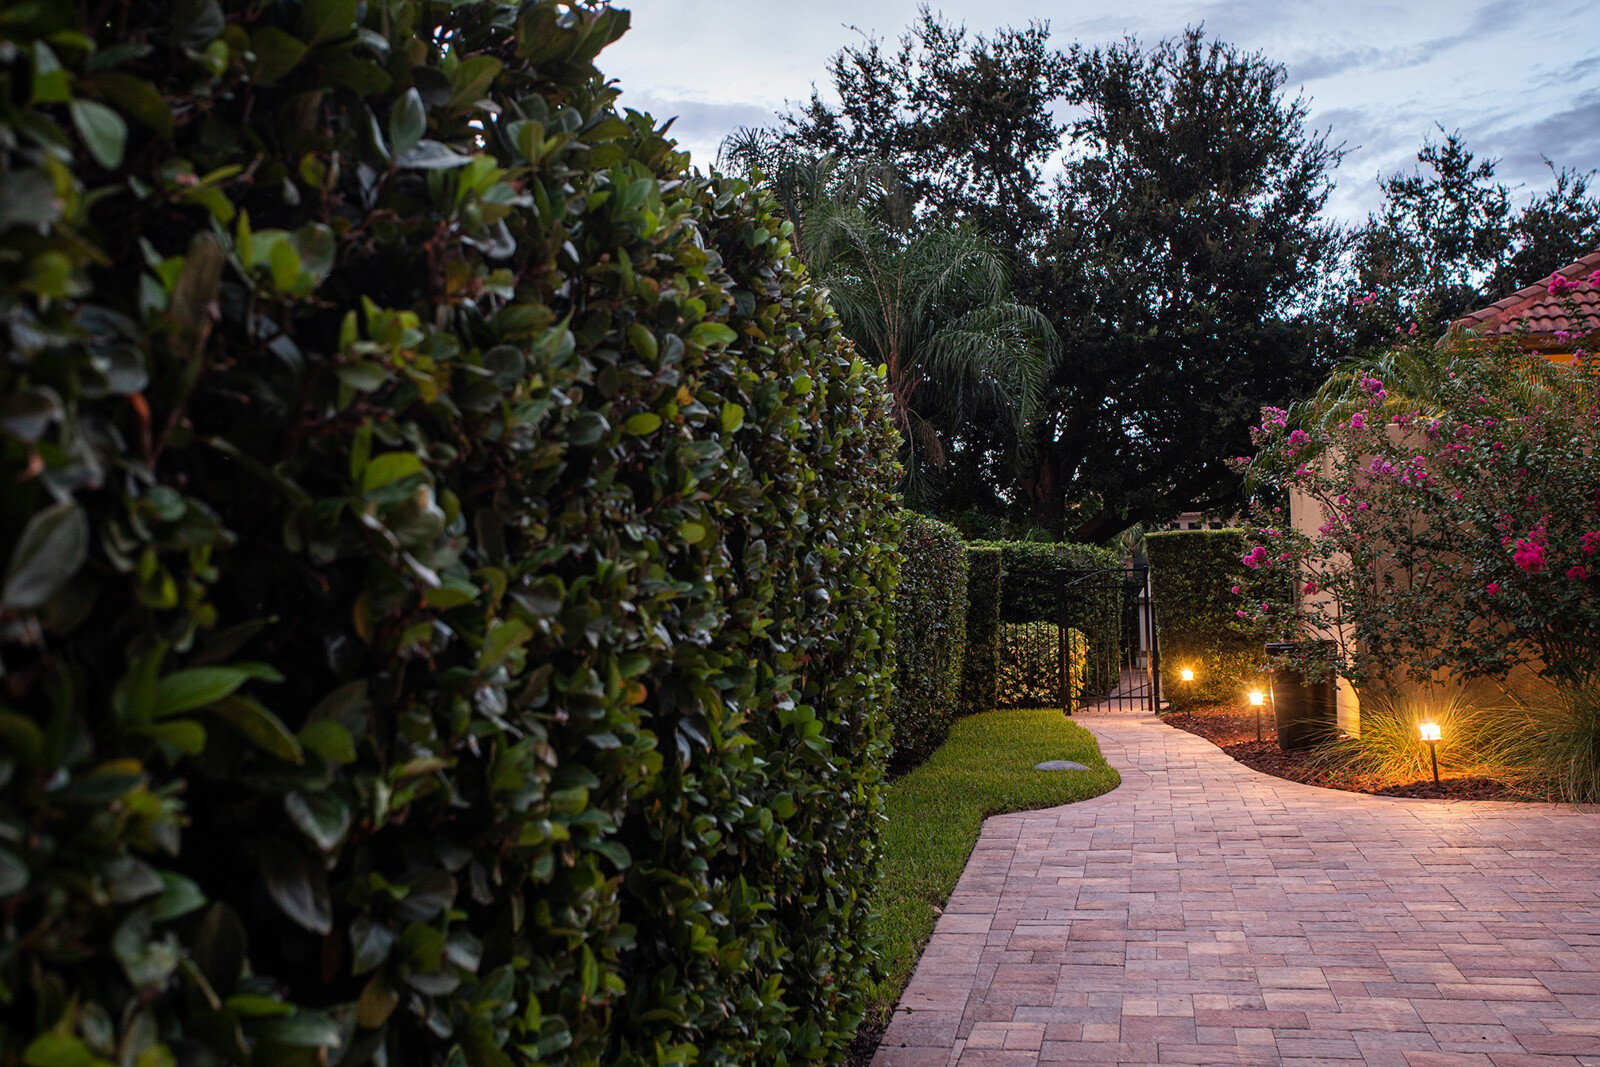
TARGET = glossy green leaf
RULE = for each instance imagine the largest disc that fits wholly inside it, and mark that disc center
(53, 546)
(196, 688)
(322, 817)
(325, 20)
(646, 422)
(13, 873)
(408, 121)
(265, 729)
(329, 740)
(103, 131)
(388, 468)
(430, 155)
(298, 886)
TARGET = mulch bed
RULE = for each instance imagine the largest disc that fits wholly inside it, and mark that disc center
(1232, 728)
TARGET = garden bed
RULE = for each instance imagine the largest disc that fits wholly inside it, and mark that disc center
(1232, 728)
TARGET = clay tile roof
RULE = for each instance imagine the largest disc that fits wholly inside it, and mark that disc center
(1538, 311)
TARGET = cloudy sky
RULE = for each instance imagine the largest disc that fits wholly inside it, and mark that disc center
(1520, 80)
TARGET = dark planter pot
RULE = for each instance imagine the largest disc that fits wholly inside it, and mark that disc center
(1306, 712)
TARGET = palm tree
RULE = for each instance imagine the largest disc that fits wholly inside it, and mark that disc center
(927, 300)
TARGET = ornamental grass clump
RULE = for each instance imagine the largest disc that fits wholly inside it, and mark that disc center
(1560, 750)
(1477, 739)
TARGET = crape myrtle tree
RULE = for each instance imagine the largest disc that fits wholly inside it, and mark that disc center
(1178, 255)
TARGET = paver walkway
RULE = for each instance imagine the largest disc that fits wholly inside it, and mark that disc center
(1205, 913)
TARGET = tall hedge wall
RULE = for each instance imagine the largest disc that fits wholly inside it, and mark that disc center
(1192, 573)
(1028, 585)
(929, 637)
(1030, 666)
(1029, 593)
(979, 666)
(449, 558)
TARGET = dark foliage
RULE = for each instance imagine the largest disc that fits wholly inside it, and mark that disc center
(1192, 575)
(930, 637)
(1030, 587)
(448, 576)
(978, 667)
(1182, 268)
(1450, 239)
(1030, 674)
(966, 118)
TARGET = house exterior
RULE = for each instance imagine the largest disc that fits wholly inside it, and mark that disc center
(1547, 316)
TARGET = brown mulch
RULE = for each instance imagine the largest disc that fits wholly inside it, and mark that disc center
(1232, 728)
(865, 1046)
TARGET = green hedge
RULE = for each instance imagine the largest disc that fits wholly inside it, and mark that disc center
(1029, 593)
(1029, 668)
(449, 558)
(930, 637)
(1192, 573)
(978, 667)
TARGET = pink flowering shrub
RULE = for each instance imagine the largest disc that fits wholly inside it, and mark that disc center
(1459, 510)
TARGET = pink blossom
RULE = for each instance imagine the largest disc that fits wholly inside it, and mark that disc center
(1310, 587)
(1529, 555)
(1235, 590)
(1492, 588)
(1577, 572)
(1358, 421)
(1590, 542)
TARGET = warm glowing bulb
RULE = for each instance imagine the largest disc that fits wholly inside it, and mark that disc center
(1186, 674)
(1257, 698)
(1430, 731)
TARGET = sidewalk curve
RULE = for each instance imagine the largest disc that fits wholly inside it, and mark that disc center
(1203, 912)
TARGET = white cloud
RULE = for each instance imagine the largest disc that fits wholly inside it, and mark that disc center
(1518, 80)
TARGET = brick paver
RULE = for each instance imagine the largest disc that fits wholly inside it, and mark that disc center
(1205, 913)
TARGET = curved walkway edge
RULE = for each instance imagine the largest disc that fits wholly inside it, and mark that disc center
(1203, 912)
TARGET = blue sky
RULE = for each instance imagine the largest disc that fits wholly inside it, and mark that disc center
(1521, 81)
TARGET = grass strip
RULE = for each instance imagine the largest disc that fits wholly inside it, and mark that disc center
(985, 768)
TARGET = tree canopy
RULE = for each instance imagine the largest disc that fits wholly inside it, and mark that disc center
(1450, 238)
(1162, 206)
(1182, 268)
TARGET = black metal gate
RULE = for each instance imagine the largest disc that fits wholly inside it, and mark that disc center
(1121, 659)
(1077, 639)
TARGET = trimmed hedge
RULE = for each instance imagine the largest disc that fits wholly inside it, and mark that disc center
(448, 584)
(1192, 573)
(929, 637)
(980, 664)
(1029, 593)
(1028, 675)
(1029, 587)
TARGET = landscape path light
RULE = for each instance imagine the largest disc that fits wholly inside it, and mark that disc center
(1430, 734)
(1257, 700)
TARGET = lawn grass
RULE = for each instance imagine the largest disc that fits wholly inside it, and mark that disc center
(984, 768)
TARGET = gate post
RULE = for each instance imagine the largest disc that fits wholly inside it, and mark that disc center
(1063, 645)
